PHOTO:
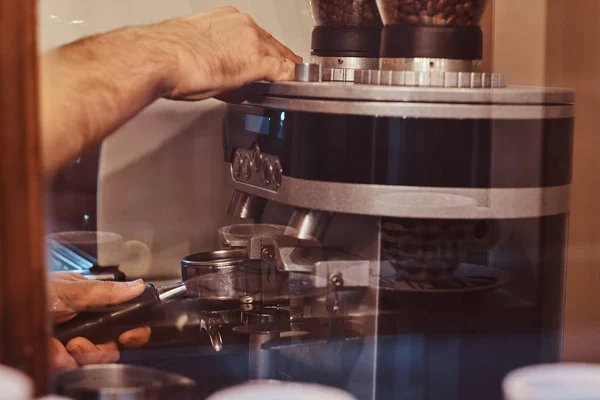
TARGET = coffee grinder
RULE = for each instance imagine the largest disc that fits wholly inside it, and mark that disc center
(426, 206)
(346, 37)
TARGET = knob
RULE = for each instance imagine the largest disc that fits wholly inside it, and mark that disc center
(257, 158)
(236, 165)
(277, 174)
(267, 171)
(247, 167)
(306, 72)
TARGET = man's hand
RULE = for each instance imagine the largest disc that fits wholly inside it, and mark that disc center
(219, 51)
(93, 86)
(70, 294)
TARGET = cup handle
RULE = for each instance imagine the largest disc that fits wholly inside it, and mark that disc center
(136, 259)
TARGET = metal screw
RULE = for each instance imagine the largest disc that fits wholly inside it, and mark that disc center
(267, 255)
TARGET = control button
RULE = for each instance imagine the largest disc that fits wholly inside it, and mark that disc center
(267, 171)
(236, 165)
(247, 167)
(257, 158)
(277, 174)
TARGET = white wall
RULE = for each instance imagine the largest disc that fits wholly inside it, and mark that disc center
(520, 29)
(161, 175)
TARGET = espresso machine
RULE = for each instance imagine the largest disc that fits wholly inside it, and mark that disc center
(409, 211)
(400, 221)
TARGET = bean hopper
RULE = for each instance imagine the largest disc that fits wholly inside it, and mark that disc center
(423, 200)
(346, 37)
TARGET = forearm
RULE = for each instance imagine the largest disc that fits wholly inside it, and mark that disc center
(91, 87)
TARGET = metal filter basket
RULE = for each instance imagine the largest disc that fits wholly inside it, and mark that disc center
(222, 275)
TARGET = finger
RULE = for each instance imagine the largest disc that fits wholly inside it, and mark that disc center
(82, 295)
(67, 276)
(281, 48)
(277, 69)
(85, 352)
(80, 345)
(136, 337)
(60, 359)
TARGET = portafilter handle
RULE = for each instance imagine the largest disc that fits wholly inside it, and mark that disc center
(106, 324)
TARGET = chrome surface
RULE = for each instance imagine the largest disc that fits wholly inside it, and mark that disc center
(211, 323)
(416, 110)
(122, 382)
(429, 64)
(439, 79)
(349, 91)
(262, 175)
(221, 275)
(243, 205)
(217, 259)
(309, 224)
(262, 363)
(339, 74)
(267, 172)
(239, 235)
(247, 167)
(257, 159)
(419, 202)
(308, 72)
(236, 165)
(345, 62)
(216, 340)
(324, 262)
(277, 174)
(341, 69)
(172, 292)
(311, 263)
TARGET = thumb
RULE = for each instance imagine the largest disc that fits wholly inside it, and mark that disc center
(89, 294)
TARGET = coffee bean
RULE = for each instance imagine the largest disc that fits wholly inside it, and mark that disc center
(433, 12)
(345, 13)
(430, 8)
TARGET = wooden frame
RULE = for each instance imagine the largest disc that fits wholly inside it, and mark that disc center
(23, 319)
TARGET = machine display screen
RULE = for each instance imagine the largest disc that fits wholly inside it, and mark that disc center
(257, 124)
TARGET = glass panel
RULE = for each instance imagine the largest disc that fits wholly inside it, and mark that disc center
(396, 228)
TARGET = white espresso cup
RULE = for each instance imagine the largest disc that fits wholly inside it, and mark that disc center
(568, 381)
(14, 384)
(277, 390)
